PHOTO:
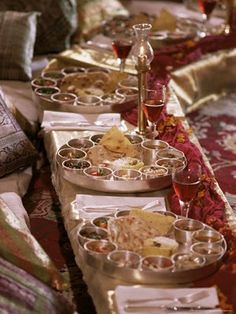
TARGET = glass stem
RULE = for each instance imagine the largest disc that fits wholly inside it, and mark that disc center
(122, 65)
(184, 206)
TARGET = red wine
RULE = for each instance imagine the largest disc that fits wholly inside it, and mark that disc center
(121, 48)
(207, 6)
(152, 109)
(186, 191)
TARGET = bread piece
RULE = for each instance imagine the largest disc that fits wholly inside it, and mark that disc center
(164, 22)
(161, 246)
(158, 221)
(115, 141)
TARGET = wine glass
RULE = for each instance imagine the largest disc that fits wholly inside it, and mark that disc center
(206, 7)
(186, 183)
(121, 46)
(153, 104)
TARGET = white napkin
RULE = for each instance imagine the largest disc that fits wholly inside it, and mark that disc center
(123, 293)
(91, 206)
(53, 120)
(98, 42)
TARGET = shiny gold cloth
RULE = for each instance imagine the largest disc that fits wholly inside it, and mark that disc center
(206, 79)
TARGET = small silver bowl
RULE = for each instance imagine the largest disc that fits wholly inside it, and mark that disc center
(70, 153)
(123, 258)
(184, 261)
(110, 99)
(43, 82)
(150, 149)
(129, 82)
(127, 174)
(208, 236)
(98, 69)
(75, 166)
(99, 248)
(101, 222)
(55, 75)
(171, 152)
(89, 100)
(121, 213)
(134, 139)
(96, 138)
(211, 251)
(172, 164)
(87, 233)
(184, 229)
(81, 143)
(72, 70)
(156, 263)
(152, 172)
(64, 98)
(129, 94)
(46, 92)
(98, 173)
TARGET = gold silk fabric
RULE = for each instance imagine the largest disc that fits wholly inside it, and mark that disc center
(205, 79)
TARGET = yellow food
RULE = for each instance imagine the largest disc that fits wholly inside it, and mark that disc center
(159, 246)
(115, 141)
(164, 22)
(155, 220)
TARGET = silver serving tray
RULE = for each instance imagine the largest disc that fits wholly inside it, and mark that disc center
(113, 186)
(138, 276)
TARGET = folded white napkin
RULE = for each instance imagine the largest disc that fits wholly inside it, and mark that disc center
(124, 293)
(90, 206)
(98, 42)
(53, 120)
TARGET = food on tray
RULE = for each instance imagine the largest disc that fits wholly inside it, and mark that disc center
(92, 83)
(99, 155)
(166, 21)
(158, 221)
(127, 163)
(129, 232)
(160, 246)
(100, 246)
(151, 172)
(101, 222)
(115, 141)
(188, 260)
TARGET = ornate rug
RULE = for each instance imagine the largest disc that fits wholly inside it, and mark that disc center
(214, 125)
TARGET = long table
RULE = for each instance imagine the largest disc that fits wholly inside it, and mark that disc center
(100, 286)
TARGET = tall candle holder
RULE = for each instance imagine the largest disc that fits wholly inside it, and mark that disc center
(142, 53)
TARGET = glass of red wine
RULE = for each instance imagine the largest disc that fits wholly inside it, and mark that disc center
(153, 104)
(121, 46)
(186, 183)
(206, 7)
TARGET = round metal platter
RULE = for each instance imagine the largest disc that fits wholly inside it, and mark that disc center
(139, 276)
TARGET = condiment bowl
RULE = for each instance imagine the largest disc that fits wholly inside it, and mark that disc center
(152, 172)
(75, 166)
(207, 236)
(211, 251)
(156, 263)
(72, 70)
(171, 152)
(96, 138)
(128, 93)
(81, 143)
(150, 149)
(55, 75)
(64, 98)
(87, 233)
(46, 92)
(184, 229)
(127, 174)
(101, 221)
(172, 164)
(89, 100)
(43, 82)
(186, 260)
(123, 258)
(70, 153)
(99, 248)
(98, 173)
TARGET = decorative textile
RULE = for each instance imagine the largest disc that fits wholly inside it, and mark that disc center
(16, 150)
(17, 37)
(22, 293)
(21, 248)
(56, 24)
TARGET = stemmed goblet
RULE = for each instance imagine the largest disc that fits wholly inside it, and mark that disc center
(121, 46)
(206, 7)
(186, 182)
(153, 104)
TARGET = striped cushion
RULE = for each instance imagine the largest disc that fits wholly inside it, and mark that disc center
(16, 150)
(17, 38)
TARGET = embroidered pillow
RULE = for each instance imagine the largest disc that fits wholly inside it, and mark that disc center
(16, 150)
(56, 24)
(17, 38)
